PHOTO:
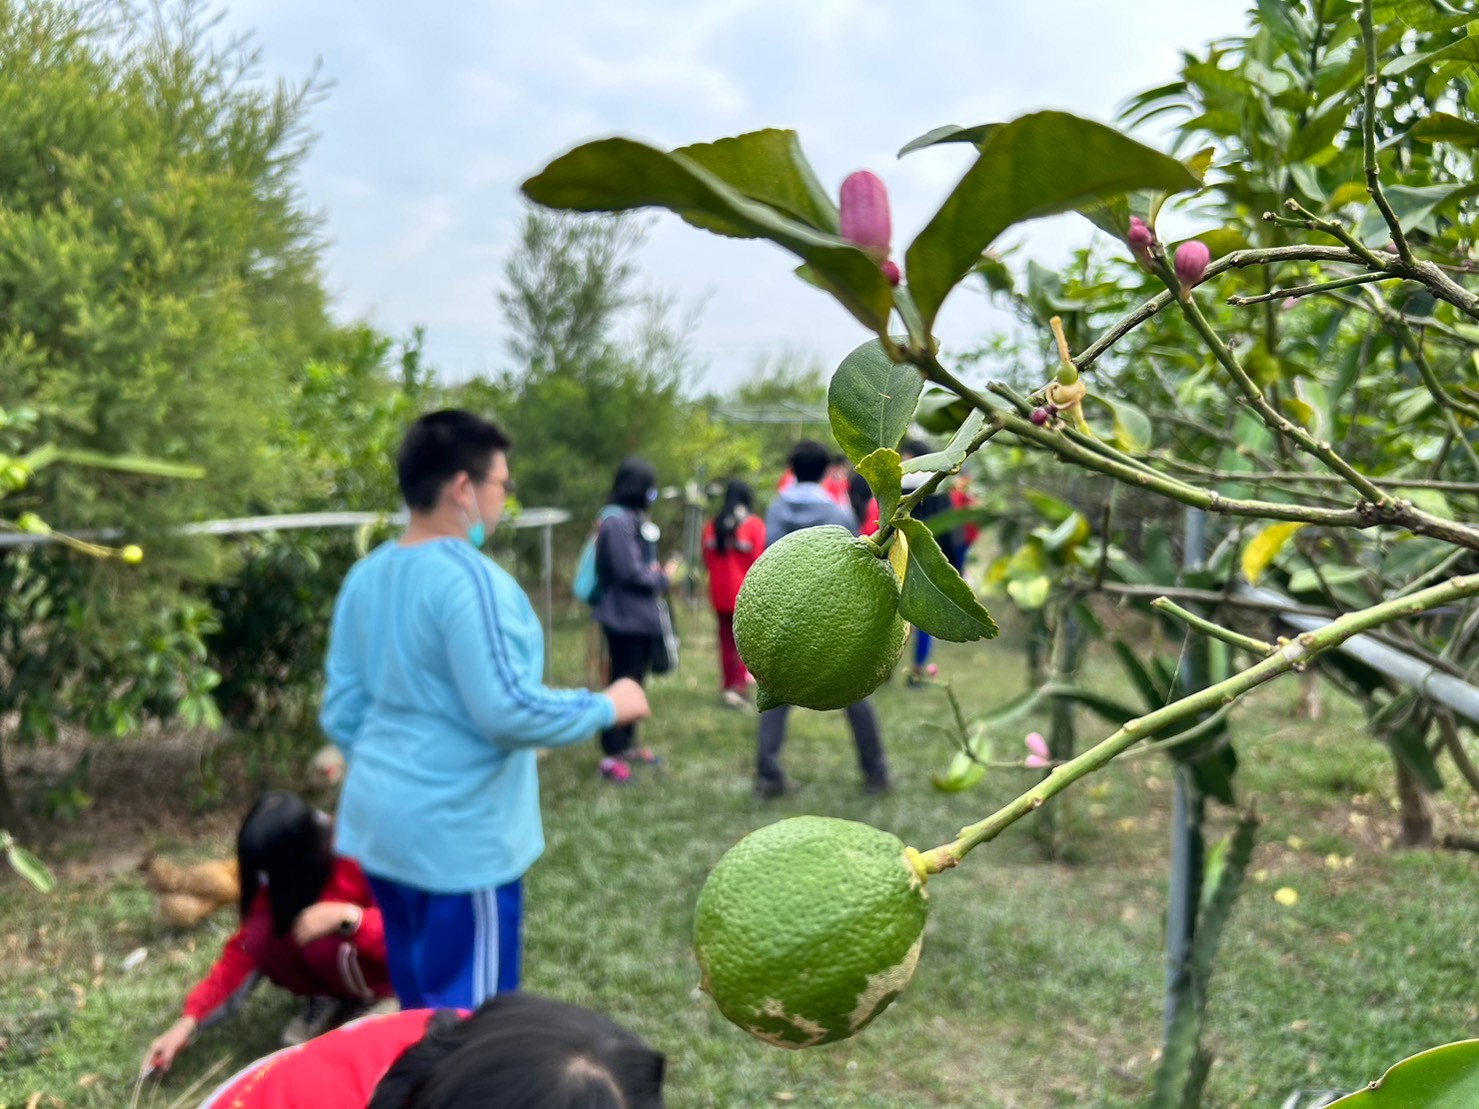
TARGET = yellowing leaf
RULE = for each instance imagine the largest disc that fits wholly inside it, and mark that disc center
(1304, 413)
(1286, 896)
(898, 554)
(1264, 547)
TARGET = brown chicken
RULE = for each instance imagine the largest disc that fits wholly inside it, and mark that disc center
(191, 892)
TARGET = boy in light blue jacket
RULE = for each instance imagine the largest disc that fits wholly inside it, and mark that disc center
(434, 694)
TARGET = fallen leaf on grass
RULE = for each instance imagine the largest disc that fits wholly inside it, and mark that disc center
(1286, 896)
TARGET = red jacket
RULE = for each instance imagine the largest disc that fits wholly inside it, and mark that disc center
(234, 968)
(727, 568)
(959, 498)
(338, 1070)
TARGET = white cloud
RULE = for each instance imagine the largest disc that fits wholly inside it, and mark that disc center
(435, 119)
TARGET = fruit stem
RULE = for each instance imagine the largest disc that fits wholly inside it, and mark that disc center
(1290, 655)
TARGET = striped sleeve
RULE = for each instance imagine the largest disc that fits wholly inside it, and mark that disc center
(497, 672)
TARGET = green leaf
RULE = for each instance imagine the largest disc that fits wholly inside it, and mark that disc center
(1140, 677)
(941, 411)
(1420, 15)
(950, 519)
(1114, 712)
(950, 133)
(618, 175)
(1010, 711)
(1321, 129)
(1049, 507)
(935, 598)
(769, 166)
(1036, 165)
(124, 463)
(1411, 747)
(885, 478)
(964, 773)
(1030, 594)
(29, 867)
(1442, 127)
(1412, 205)
(1183, 1063)
(949, 460)
(1464, 50)
(1065, 538)
(871, 400)
(1444, 1077)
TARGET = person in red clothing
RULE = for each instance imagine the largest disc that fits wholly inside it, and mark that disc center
(308, 924)
(518, 1050)
(732, 541)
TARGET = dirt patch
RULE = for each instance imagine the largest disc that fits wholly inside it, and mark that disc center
(98, 805)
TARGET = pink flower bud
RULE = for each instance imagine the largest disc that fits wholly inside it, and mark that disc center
(1192, 258)
(1139, 236)
(863, 212)
(1037, 751)
(1040, 416)
(891, 271)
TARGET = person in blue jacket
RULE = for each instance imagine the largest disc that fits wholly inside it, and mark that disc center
(434, 694)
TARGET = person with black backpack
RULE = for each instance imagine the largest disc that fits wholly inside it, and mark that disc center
(631, 607)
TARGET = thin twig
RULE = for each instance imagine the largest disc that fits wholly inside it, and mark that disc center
(1292, 654)
(1335, 229)
(1207, 627)
(1368, 137)
(1297, 291)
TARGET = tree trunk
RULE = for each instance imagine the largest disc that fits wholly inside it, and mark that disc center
(1417, 814)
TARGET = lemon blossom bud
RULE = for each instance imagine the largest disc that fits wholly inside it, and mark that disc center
(1139, 236)
(1192, 258)
(863, 212)
(891, 271)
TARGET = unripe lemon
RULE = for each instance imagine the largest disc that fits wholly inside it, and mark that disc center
(809, 928)
(817, 620)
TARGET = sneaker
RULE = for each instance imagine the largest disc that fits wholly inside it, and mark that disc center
(360, 1010)
(316, 1016)
(878, 786)
(919, 676)
(615, 770)
(734, 699)
(644, 756)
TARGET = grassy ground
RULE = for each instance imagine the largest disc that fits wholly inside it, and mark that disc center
(1040, 983)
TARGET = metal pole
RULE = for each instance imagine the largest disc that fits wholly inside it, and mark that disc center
(1188, 806)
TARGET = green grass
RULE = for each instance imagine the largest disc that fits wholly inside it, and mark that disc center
(1040, 983)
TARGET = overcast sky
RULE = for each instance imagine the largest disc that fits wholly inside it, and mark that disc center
(438, 111)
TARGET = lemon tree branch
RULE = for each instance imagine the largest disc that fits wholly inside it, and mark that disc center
(1290, 655)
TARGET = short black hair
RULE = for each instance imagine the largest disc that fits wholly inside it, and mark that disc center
(288, 842)
(441, 445)
(634, 480)
(522, 1051)
(809, 460)
(916, 448)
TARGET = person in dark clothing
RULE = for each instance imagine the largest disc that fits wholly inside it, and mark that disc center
(632, 581)
(806, 504)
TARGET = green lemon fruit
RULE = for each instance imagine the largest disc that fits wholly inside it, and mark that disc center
(817, 620)
(809, 928)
